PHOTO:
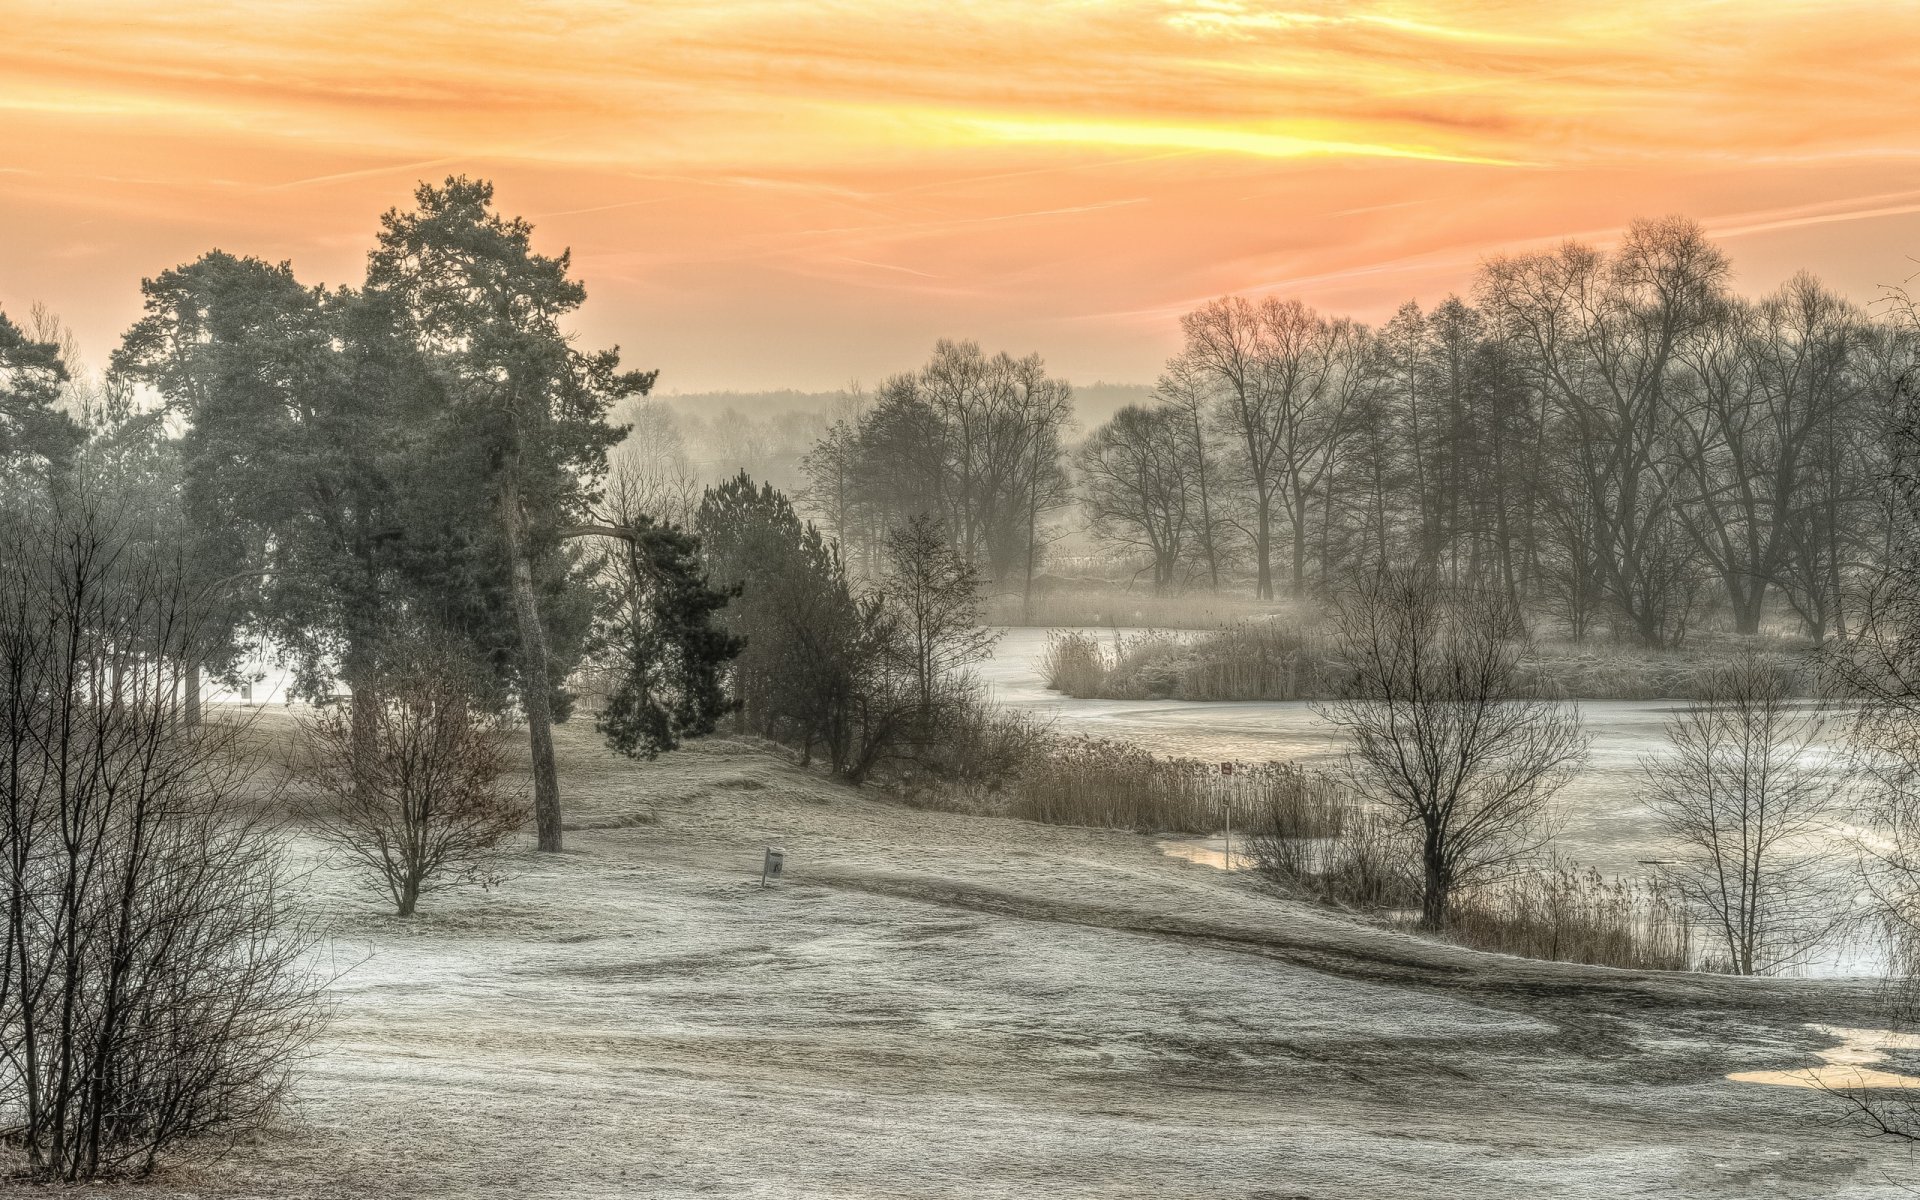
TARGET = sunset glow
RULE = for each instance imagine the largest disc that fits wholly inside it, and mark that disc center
(767, 194)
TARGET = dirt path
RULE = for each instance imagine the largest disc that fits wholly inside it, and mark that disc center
(936, 1005)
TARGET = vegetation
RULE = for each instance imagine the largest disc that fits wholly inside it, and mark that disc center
(306, 415)
(1320, 842)
(428, 807)
(1739, 797)
(1098, 782)
(153, 989)
(1292, 658)
(1566, 914)
(1610, 439)
(1443, 735)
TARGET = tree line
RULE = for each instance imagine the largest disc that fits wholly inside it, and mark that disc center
(1608, 437)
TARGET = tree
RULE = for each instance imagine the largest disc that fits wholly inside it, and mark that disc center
(1770, 382)
(151, 986)
(1879, 669)
(661, 635)
(294, 427)
(1185, 392)
(35, 436)
(1135, 485)
(971, 440)
(1736, 793)
(428, 808)
(523, 412)
(1443, 734)
(823, 666)
(1601, 337)
(934, 595)
(1285, 380)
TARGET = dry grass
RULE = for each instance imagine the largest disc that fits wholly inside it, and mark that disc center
(1114, 785)
(1568, 914)
(1277, 658)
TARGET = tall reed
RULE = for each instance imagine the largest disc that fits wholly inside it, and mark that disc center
(1572, 914)
(1115, 785)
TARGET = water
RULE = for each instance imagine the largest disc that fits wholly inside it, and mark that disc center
(1851, 1065)
(1601, 821)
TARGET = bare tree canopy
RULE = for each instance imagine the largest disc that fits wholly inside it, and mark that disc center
(1745, 804)
(1443, 735)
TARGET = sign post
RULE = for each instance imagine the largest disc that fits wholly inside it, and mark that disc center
(1226, 808)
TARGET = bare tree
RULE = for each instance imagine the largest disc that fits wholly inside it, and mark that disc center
(427, 808)
(1186, 392)
(1601, 338)
(1284, 378)
(151, 985)
(1741, 794)
(1444, 735)
(1135, 486)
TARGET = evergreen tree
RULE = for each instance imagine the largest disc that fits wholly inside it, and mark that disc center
(520, 438)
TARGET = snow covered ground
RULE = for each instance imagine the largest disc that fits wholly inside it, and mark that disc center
(936, 1005)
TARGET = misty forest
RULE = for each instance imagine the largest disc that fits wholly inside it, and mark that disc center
(1475, 753)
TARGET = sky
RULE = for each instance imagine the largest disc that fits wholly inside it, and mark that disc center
(764, 195)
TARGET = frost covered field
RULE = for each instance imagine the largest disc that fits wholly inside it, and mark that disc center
(942, 1005)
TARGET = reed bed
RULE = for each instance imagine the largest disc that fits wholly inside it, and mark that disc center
(1369, 863)
(1274, 659)
(1114, 785)
(1571, 914)
(1319, 843)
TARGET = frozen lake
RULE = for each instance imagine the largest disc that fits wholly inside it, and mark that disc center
(1601, 822)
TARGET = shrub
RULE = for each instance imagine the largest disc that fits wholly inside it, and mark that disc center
(153, 988)
(408, 783)
(1274, 659)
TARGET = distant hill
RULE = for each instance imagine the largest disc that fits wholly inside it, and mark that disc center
(1093, 403)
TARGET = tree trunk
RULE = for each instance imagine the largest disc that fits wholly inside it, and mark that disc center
(1263, 551)
(534, 680)
(1434, 897)
(191, 712)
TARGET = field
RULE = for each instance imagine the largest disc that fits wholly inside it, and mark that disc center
(942, 1005)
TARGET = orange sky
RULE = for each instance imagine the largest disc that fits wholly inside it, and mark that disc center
(770, 194)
